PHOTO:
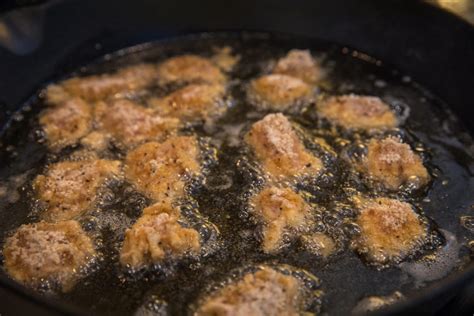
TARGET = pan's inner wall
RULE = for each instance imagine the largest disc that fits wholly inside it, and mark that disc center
(345, 278)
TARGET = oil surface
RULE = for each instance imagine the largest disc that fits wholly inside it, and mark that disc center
(222, 198)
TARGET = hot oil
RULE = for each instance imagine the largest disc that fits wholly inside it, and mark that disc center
(231, 176)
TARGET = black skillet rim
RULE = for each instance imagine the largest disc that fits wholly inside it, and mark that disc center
(455, 280)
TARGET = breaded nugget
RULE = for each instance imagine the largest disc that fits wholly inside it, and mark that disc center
(299, 64)
(191, 103)
(265, 292)
(65, 124)
(224, 58)
(69, 188)
(130, 124)
(156, 236)
(279, 92)
(393, 163)
(189, 68)
(281, 211)
(99, 87)
(358, 112)
(52, 252)
(390, 230)
(319, 244)
(159, 170)
(279, 150)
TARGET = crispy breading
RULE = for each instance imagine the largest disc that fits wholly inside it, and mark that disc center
(299, 64)
(70, 188)
(158, 170)
(358, 112)
(279, 92)
(156, 236)
(265, 292)
(48, 252)
(278, 148)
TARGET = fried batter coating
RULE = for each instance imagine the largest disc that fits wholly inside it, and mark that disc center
(159, 170)
(279, 92)
(224, 59)
(358, 112)
(99, 87)
(299, 64)
(48, 251)
(189, 68)
(319, 244)
(157, 235)
(130, 124)
(393, 163)
(265, 292)
(281, 211)
(193, 102)
(69, 188)
(390, 230)
(65, 124)
(278, 148)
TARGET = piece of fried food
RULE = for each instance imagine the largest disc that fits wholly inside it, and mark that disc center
(393, 163)
(70, 188)
(224, 58)
(159, 170)
(156, 236)
(278, 148)
(52, 252)
(191, 103)
(265, 292)
(99, 87)
(319, 244)
(65, 124)
(299, 64)
(281, 211)
(189, 69)
(390, 230)
(130, 124)
(279, 92)
(358, 112)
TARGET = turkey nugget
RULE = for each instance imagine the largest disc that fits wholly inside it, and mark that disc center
(300, 64)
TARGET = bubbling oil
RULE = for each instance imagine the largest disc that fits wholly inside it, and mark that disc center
(217, 200)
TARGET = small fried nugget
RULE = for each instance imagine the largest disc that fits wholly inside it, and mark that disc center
(65, 124)
(70, 188)
(358, 112)
(299, 64)
(279, 92)
(52, 252)
(100, 87)
(191, 103)
(281, 211)
(159, 170)
(156, 236)
(189, 69)
(265, 292)
(130, 124)
(390, 230)
(279, 150)
(393, 163)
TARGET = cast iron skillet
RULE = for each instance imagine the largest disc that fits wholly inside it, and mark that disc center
(434, 47)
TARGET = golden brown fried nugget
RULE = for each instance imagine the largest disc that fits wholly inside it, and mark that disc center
(191, 103)
(265, 292)
(99, 87)
(189, 68)
(358, 112)
(299, 64)
(393, 163)
(69, 188)
(224, 58)
(131, 124)
(65, 124)
(48, 252)
(279, 92)
(390, 230)
(159, 170)
(281, 211)
(319, 244)
(157, 235)
(278, 148)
